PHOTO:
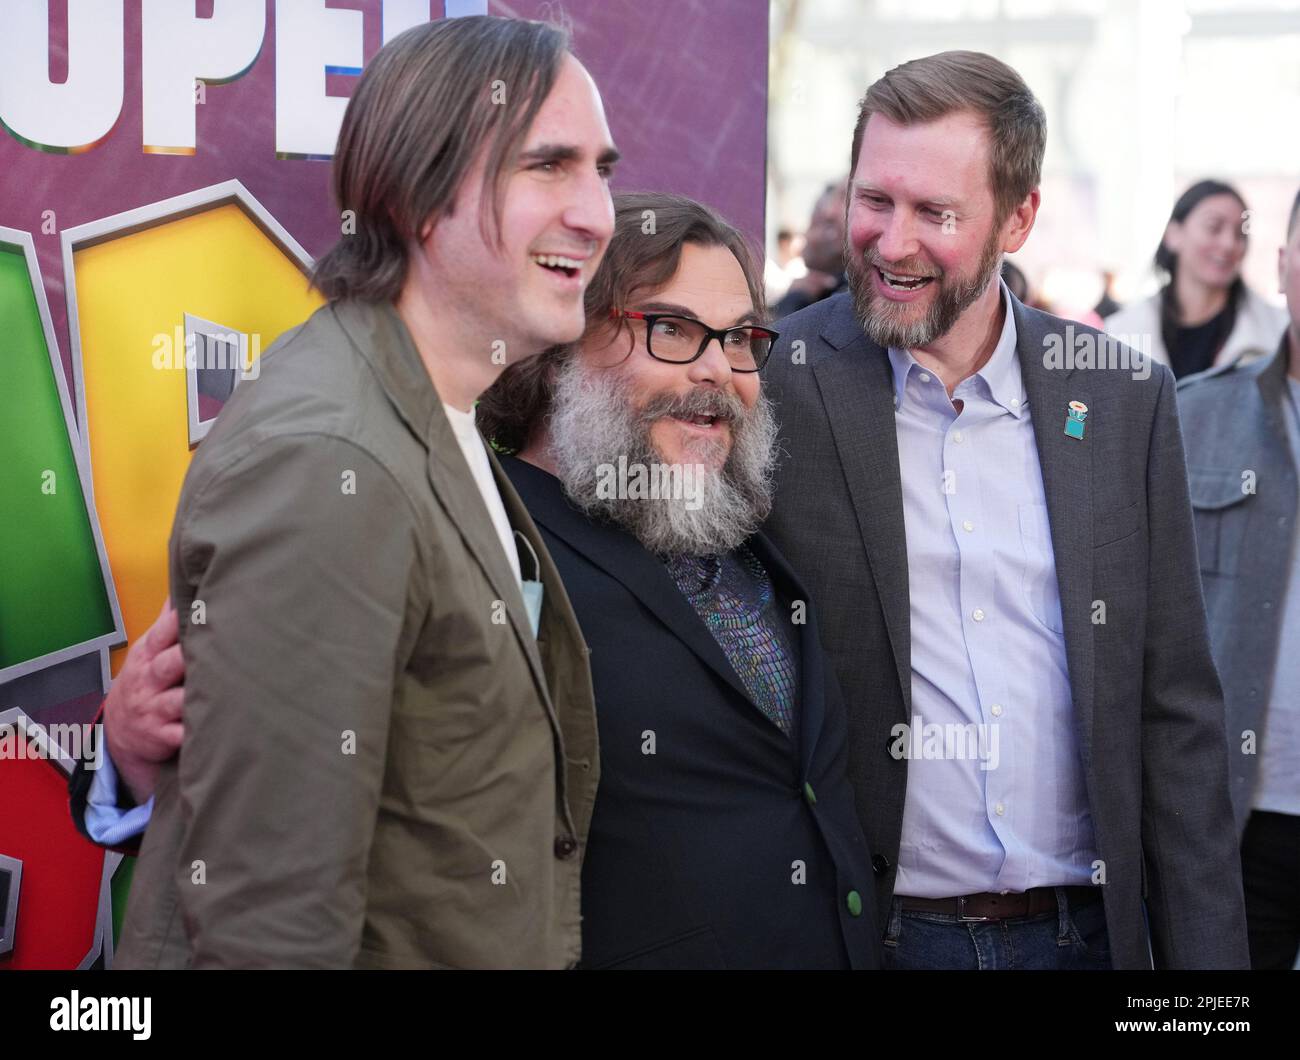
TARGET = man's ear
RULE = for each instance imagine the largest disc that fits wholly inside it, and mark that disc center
(1281, 270)
(1020, 223)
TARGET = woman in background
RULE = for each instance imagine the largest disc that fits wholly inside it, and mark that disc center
(1204, 314)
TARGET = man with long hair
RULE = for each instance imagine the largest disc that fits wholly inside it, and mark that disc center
(389, 755)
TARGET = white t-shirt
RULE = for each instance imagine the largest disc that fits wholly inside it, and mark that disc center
(471, 444)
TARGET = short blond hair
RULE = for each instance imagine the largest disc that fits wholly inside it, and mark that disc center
(927, 89)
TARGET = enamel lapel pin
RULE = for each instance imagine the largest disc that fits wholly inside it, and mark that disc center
(1077, 412)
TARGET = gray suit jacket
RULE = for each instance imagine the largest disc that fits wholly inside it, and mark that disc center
(382, 767)
(1243, 483)
(1149, 711)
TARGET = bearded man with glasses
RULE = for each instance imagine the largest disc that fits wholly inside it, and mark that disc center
(724, 832)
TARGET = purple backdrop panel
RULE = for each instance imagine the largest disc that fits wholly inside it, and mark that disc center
(684, 83)
(685, 90)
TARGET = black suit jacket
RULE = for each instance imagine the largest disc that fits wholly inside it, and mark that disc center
(1149, 718)
(695, 849)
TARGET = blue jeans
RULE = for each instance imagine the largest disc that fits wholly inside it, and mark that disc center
(1065, 939)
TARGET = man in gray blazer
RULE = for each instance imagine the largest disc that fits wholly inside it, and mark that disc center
(1243, 449)
(389, 756)
(998, 534)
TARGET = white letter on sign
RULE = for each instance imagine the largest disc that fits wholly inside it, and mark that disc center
(81, 111)
(309, 40)
(177, 48)
(401, 15)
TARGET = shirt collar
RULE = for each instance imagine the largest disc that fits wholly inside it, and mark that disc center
(463, 423)
(1001, 373)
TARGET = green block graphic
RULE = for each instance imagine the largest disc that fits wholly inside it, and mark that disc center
(53, 594)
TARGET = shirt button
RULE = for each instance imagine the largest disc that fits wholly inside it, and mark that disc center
(565, 845)
(1015, 403)
(996, 710)
(968, 526)
(956, 437)
(1000, 809)
(924, 377)
(978, 614)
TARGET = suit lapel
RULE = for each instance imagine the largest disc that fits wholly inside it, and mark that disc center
(1066, 465)
(624, 559)
(557, 656)
(857, 389)
(807, 642)
(1273, 392)
(379, 336)
(454, 484)
(857, 392)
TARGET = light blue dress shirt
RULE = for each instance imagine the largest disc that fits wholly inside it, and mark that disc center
(995, 794)
(1278, 787)
(105, 822)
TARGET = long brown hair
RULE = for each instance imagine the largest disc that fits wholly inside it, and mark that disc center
(1167, 262)
(426, 105)
(650, 230)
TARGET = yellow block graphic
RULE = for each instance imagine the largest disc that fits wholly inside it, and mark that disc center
(133, 291)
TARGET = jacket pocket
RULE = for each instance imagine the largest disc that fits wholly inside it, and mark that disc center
(1220, 514)
(1115, 526)
(693, 950)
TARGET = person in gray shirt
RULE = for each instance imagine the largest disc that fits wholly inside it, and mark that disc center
(1241, 424)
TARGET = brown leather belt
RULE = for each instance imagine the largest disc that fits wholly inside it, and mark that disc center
(990, 906)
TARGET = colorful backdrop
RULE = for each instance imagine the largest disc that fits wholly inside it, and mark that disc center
(164, 175)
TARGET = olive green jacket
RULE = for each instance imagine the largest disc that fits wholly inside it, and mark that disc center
(381, 767)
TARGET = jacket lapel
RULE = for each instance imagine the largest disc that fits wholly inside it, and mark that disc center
(857, 392)
(1066, 465)
(624, 559)
(1272, 390)
(807, 642)
(379, 336)
(454, 484)
(558, 657)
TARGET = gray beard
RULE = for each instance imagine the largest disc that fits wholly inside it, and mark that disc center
(883, 322)
(592, 425)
